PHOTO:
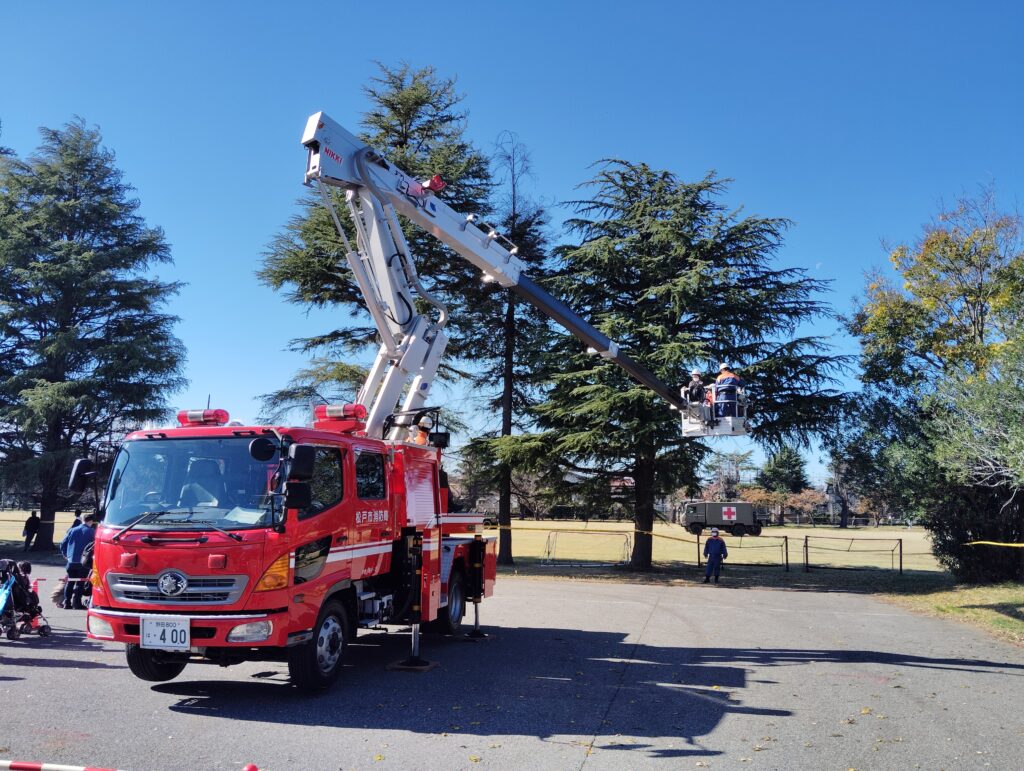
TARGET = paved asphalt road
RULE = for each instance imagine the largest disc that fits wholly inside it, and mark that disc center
(576, 675)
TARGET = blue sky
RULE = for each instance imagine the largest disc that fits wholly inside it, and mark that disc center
(854, 120)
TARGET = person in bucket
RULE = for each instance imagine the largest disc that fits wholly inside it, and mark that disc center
(715, 551)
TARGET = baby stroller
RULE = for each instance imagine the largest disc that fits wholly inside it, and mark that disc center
(20, 611)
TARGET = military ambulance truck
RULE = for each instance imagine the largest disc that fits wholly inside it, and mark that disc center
(735, 517)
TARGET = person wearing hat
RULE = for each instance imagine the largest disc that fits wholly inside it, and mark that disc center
(725, 391)
(716, 551)
(421, 431)
(695, 396)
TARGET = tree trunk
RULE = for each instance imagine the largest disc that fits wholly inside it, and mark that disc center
(47, 517)
(844, 512)
(51, 472)
(505, 478)
(643, 497)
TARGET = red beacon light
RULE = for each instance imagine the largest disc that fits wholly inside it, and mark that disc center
(340, 412)
(340, 417)
(435, 184)
(203, 417)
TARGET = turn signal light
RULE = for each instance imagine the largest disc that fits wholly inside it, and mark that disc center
(276, 576)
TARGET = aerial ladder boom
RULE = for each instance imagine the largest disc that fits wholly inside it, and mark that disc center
(412, 344)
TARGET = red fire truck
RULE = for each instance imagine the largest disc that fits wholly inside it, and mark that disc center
(223, 542)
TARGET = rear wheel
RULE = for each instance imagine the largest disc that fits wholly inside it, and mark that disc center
(450, 619)
(756, 529)
(739, 530)
(316, 664)
(13, 633)
(695, 528)
(153, 666)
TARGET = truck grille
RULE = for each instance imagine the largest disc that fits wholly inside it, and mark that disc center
(222, 590)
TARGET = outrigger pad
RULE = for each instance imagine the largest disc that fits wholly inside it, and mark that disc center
(411, 665)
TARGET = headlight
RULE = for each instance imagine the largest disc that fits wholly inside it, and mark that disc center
(99, 627)
(254, 631)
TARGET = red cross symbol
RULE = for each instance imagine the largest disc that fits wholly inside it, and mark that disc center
(728, 512)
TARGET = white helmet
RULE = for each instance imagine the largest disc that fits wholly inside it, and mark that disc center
(425, 423)
(722, 366)
(695, 371)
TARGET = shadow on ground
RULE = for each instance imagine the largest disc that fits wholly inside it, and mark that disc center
(548, 683)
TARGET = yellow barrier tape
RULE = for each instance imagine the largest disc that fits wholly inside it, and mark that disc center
(995, 543)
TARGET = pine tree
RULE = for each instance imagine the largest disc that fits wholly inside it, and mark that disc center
(415, 121)
(507, 354)
(662, 267)
(784, 471)
(84, 346)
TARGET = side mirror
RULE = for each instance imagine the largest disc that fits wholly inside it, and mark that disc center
(301, 459)
(440, 439)
(81, 472)
(298, 495)
(262, 449)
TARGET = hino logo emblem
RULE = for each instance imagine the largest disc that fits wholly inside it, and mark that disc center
(172, 584)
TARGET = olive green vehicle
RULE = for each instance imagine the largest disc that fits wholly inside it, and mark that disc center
(736, 517)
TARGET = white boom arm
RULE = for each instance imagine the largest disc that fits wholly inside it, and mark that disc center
(412, 344)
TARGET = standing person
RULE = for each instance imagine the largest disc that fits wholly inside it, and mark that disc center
(31, 530)
(72, 548)
(715, 551)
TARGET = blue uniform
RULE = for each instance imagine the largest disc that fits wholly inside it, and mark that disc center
(716, 551)
(71, 547)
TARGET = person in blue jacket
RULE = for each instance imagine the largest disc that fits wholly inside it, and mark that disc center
(71, 548)
(715, 551)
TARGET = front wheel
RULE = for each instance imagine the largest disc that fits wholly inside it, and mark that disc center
(695, 528)
(316, 664)
(150, 665)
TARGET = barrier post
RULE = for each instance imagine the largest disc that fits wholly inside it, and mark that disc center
(807, 559)
(901, 556)
(699, 563)
(785, 547)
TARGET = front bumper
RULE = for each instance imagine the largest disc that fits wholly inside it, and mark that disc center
(208, 630)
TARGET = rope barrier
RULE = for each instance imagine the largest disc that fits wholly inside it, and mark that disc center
(995, 543)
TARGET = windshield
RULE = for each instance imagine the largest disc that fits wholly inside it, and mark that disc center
(193, 483)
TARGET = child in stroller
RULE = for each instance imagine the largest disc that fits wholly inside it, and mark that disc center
(20, 611)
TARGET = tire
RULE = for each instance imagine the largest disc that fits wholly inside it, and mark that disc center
(695, 528)
(44, 630)
(450, 620)
(13, 633)
(315, 664)
(756, 529)
(739, 530)
(148, 665)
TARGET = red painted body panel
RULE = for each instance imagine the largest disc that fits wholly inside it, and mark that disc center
(361, 536)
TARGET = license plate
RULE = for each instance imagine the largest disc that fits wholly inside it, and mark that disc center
(168, 633)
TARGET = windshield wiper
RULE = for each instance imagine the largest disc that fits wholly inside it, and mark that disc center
(153, 515)
(212, 526)
(149, 515)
